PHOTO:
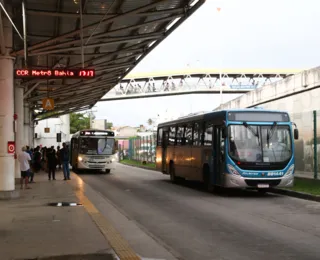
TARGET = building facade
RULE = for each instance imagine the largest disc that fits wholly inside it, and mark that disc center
(45, 133)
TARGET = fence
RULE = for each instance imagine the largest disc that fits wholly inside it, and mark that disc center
(307, 148)
(141, 148)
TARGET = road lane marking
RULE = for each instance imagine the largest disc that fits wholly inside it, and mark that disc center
(116, 241)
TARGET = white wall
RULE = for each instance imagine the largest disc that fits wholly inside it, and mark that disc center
(56, 125)
(98, 124)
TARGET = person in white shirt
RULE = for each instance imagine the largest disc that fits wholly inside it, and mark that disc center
(24, 160)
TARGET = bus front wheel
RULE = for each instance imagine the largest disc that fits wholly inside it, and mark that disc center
(107, 171)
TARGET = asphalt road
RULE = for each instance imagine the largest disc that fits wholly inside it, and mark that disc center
(199, 225)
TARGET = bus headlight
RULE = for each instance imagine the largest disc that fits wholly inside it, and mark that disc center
(112, 160)
(232, 170)
(290, 170)
(80, 158)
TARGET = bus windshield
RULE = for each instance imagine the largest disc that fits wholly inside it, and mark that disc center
(94, 146)
(260, 144)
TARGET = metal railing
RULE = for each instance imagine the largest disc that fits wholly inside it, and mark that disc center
(307, 148)
(140, 149)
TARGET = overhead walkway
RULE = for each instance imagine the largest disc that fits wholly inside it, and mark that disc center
(305, 81)
(201, 81)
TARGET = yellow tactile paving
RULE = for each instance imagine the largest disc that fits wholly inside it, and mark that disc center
(119, 244)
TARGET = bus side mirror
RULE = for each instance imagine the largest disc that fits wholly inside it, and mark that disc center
(224, 133)
(296, 134)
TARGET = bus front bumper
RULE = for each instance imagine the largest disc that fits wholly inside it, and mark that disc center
(97, 166)
(236, 181)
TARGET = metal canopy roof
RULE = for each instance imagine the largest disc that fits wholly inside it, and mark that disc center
(111, 36)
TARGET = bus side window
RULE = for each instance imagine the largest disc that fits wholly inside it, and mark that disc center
(196, 134)
(208, 131)
(188, 134)
(172, 136)
(160, 131)
(180, 140)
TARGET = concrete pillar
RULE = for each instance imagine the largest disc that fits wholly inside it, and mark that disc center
(31, 131)
(7, 180)
(19, 135)
(26, 120)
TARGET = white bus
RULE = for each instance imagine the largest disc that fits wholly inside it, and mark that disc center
(92, 149)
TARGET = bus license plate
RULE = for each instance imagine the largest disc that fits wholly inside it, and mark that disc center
(262, 185)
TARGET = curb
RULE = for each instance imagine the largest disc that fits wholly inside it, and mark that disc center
(141, 167)
(296, 194)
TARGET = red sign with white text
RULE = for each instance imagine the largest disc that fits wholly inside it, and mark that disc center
(11, 147)
(54, 74)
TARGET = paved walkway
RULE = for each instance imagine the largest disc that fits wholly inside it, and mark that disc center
(29, 228)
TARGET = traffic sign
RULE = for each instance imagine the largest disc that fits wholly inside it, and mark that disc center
(11, 147)
(47, 130)
(48, 104)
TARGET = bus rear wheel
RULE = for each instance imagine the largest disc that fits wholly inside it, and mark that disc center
(206, 179)
(173, 177)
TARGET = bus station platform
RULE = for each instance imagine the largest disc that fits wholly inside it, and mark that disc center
(31, 228)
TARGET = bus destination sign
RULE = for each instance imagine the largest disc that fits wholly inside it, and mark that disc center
(97, 133)
(54, 73)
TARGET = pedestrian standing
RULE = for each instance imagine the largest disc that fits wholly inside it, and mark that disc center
(52, 163)
(24, 160)
(64, 155)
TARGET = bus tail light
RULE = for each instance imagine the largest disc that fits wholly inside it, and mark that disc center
(232, 170)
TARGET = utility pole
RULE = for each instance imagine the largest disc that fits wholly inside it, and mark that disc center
(90, 116)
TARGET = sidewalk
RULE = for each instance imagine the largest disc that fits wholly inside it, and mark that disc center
(29, 228)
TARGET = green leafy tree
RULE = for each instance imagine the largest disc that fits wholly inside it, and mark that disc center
(150, 122)
(109, 125)
(79, 122)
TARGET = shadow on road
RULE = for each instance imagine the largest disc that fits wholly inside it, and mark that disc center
(241, 193)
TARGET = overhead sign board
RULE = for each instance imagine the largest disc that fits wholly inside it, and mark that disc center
(48, 103)
(54, 73)
(243, 86)
(47, 130)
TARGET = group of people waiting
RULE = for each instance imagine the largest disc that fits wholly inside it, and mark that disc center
(47, 159)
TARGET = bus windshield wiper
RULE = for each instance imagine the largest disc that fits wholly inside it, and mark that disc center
(255, 133)
(271, 131)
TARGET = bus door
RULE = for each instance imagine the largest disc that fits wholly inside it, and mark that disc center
(218, 155)
(165, 139)
(73, 151)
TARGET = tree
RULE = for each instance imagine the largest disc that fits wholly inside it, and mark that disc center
(78, 122)
(109, 125)
(150, 122)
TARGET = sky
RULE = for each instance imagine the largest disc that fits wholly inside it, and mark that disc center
(245, 34)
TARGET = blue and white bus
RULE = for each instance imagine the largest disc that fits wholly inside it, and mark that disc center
(243, 148)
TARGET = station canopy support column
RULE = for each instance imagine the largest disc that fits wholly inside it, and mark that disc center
(19, 135)
(26, 123)
(7, 164)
